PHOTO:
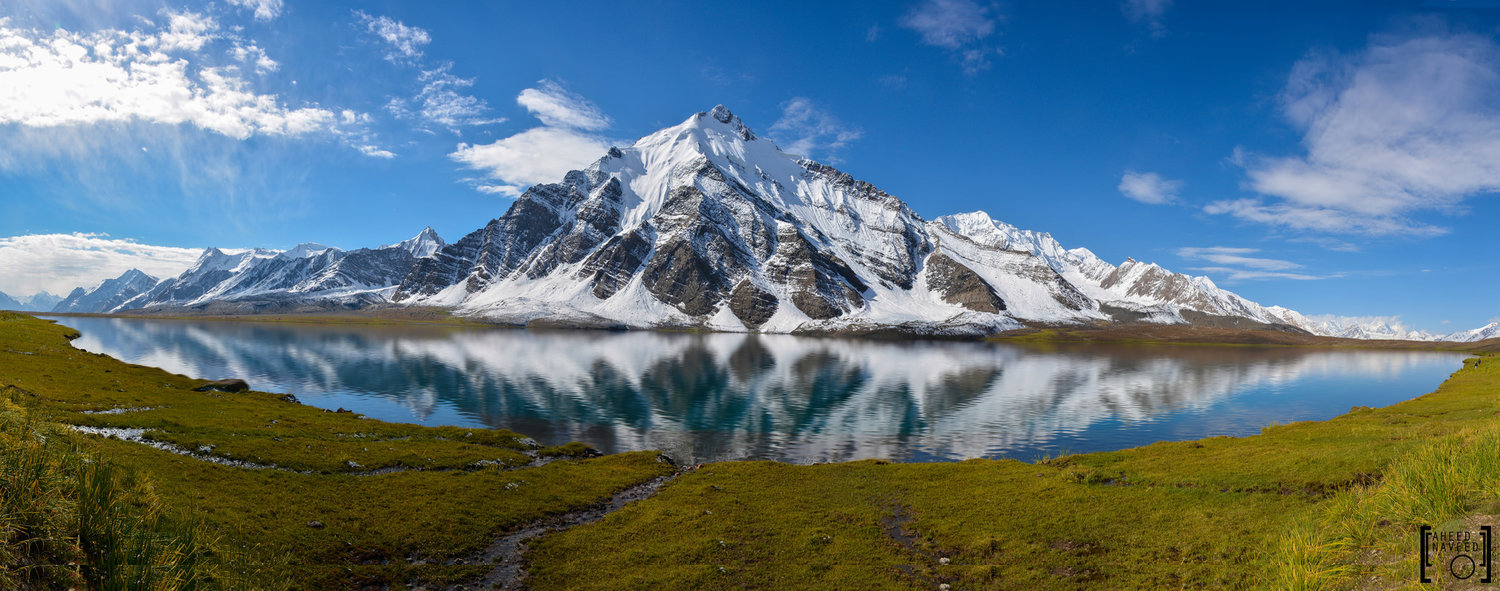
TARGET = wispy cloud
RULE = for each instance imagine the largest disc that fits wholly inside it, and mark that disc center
(1405, 126)
(567, 140)
(557, 107)
(960, 26)
(440, 100)
(57, 263)
(808, 129)
(1227, 255)
(1235, 264)
(264, 10)
(253, 56)
(1149, 187)
(405, 43)
(1150, 13)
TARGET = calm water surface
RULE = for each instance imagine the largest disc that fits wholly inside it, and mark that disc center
(704, 397)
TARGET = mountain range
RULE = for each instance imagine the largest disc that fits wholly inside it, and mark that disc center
(707, 225)
(38, 302)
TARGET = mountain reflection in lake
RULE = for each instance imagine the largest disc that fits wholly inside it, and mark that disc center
(704, 397)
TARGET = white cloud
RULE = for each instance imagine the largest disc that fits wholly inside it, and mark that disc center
(442, 104)
(506, 190)
(1227, 255)
(557, 107)
(264, 9)
(374, 151)
(439, 101)
(1320, 219)
(57, 263)
(537, 155)
(1405, 126)
(1229, 274)
(950, 23)
(62, 78)
(804, 128)
(187, 31)
(566, 141)
(1149, 13)
(252, 55)
(960, 26)
(1149, 187)
(405, 42)
(1235, 264)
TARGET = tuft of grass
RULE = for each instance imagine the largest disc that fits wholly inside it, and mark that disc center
(68, 518)
(1368, 534)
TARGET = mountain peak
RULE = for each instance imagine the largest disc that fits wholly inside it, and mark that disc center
(423, 244)
(304, 250)
(723, 115)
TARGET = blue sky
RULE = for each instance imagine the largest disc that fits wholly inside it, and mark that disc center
(1340, 158)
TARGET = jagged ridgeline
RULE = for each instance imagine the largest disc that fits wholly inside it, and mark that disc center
(705, 224)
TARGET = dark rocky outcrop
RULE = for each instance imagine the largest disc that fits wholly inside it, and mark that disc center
(822, 286)
(230, 385)
(614, 264)
(958, 284)
(752, 305)
(679, 276)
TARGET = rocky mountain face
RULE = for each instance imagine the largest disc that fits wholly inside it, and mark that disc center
(108, 295)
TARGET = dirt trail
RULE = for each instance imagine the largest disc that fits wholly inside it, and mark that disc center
(507, 554)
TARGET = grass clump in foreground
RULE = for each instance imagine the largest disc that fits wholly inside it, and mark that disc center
(69, 519)
(340, 502)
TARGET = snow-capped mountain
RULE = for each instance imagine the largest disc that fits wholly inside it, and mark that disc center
(1365, 327)
(422, 245)
(258, 280)
(1131, 291)
(705, 224)
(108, 295)
(1488, 331)
(38, 302)
(307, 274)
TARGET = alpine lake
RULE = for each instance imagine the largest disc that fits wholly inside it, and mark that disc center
(712, 397)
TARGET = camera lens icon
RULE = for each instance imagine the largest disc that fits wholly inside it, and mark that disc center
(1461, 567)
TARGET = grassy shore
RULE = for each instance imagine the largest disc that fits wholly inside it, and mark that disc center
(345, 502)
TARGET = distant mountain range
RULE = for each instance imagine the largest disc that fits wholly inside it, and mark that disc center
(39, 302)
(706, 225)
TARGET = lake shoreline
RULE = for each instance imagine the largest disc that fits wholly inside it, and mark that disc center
(1124, 333)
(1231, 503)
